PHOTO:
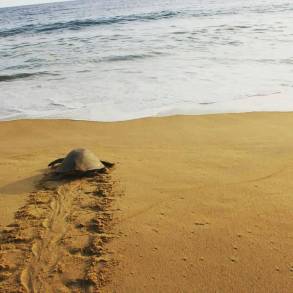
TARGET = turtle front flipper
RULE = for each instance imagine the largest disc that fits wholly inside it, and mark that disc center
(55, 162)
(107, 164)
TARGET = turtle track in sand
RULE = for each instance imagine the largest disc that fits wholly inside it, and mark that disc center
(57, 241)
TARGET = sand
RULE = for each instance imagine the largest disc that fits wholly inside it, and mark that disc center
(194, 204)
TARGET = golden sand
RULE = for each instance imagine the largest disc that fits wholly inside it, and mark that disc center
(207, 200)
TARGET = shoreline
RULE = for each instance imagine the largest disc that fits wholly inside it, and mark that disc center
(206, 201)
(274, 103)
(156, 116)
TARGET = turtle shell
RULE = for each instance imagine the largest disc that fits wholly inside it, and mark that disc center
(80, 160)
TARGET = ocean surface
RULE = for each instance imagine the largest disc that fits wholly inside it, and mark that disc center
(110, 60)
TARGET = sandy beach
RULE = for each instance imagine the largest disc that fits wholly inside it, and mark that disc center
(194, 204)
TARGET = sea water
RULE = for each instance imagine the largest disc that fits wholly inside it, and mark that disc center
(110, 60)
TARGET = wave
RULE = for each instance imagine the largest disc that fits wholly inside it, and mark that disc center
(129, 57)
(21, 76)
(79, 24)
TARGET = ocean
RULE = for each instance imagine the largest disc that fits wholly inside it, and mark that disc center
(109, 60)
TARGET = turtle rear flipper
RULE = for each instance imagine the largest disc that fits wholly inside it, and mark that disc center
(107, 164)
(55, 162)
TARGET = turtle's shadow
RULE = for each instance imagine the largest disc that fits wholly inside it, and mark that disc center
(24, 185)
(29, 184)
(21, 186)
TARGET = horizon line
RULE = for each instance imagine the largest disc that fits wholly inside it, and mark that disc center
(19, 3)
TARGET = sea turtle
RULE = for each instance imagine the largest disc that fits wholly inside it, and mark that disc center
(79, 161)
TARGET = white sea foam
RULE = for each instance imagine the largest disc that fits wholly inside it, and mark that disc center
(116, 60)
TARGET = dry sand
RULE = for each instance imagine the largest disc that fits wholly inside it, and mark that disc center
(206, 205)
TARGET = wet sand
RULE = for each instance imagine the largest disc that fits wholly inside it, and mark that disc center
(200, 203)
